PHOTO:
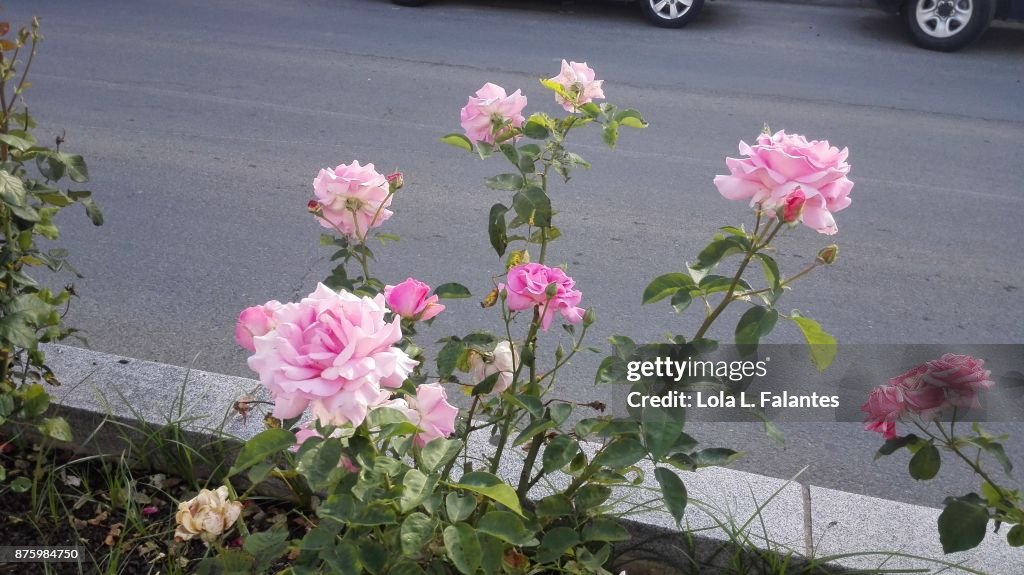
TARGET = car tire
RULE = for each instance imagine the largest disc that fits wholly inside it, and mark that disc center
(671, 13)
(947, 25)
(410, 3)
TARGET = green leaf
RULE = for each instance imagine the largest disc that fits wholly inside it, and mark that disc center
(674, 491)
(452, 290)
(506, 526)
(373, 556)
(16, 142)
(459, 141)
(93, 211)
(34, 401)
(538, 426)
(497, 229)
(535, 129)
(439, 452)
(557, 505)
(267, 546)
(75, 166)
(555, 543)
(924, 465)
(21, 485)
(416, 486)
(590, 496)
(716, 283)
(720, 249)
(756, 323)
(666, 285)
(265, 444)
(459, 507)
(12, 190)
(448, 357)
(610, 134)
(49, 167)
(463, 548)
(490, 486)
(343, 559)
(56, 428)
(893, 445)
(533, 206)
(620, 453)
(605, 529)
(681, 300)
(660, 431)
(821, 344)
(416, 531)
(1016, 536)
(559, 452)
(507, 182)
(771, 270)
(716, 456)
(962, 523)
(493, 554)
(630, 118)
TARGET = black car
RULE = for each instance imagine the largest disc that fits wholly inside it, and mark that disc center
(949, 25)
(663, 13)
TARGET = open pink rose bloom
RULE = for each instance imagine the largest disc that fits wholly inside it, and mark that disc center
(353, 199)
(781, 165)
(527, 286)
(578, 80)
(491, 112)
(410, 300)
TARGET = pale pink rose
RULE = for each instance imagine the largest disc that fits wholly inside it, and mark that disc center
(779, 164)
(334, 349)
(501, 361)
(491, 112)
(254, 321)
(353, 199)
(578, 80)
(432, 413)
(527, 286)
(961, 377)
(884, 407)
(919, 397)
(409, 300)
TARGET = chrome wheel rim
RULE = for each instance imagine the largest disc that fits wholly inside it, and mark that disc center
(671, 9)
(943, 18)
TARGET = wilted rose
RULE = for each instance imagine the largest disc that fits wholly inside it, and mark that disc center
(207, 515)
(500, 361)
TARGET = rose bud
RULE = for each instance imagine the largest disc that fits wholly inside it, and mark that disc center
(828, 254)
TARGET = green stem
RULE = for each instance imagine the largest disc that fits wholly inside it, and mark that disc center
(755, 246)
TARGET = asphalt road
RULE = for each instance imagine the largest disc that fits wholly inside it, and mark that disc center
(204, 122)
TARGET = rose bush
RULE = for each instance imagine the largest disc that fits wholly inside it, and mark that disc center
(921, 398)
(364, 431)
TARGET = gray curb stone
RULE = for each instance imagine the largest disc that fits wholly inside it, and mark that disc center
(802, 521)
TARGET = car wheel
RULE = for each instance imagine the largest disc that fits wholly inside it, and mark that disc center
(947, 25)
(671, 13)
(410, 3)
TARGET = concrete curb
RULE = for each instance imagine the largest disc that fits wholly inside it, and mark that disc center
(805, 521)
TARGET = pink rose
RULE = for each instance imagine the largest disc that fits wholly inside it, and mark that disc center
(409, 300)
(332, 349)
(578, 81)
(491, 112)
(527, 287)
(353, 199)
(254, 321)
(793, 207)
(501, 361)
(961, 377)
(432, 413)
(919, 397)
(777, 165)
(884, 407)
